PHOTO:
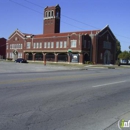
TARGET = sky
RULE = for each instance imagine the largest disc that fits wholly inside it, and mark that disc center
(76, 15)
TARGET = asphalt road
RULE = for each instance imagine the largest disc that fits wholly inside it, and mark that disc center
(34, 98)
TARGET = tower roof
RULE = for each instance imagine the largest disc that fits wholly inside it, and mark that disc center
(52, 7)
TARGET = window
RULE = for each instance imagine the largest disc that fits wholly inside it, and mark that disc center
(48, 44)
(106, 45)
(18, 45)
(52, 44)
(52, 13)
(28, 45)
(21, 46)
(49, 14)
(7, 46)
(14, 46)
(37, 45)
(89, 44)
(7, 54)
(10, 46)
(19, 55)
(34, 44)
(84, 44)
(44, 44)
(61, 44)
(73, 43)
(64, 44)
(46, 13)
(40, 45)
(11, 55)
(57, 44)
(57, 14)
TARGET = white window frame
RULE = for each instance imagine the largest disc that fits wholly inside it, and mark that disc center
(61, 44)
(52, 44)
(65, 44)
(37, 45)
(10, 46)
(48, 45)
(40, 46)
(57, 44)
(11, 55)
(73, 43)
(45, 44)
(28, 45)
(21, 46)
(20, 55)
(34, 45)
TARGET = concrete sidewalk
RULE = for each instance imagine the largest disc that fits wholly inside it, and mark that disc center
(12, 67)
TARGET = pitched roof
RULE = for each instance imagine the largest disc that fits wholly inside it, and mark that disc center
(66, 33)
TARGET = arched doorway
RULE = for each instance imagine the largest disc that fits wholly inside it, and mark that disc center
(86, 57)
(50, 57)
(62, 57)
(107, 57)
(38, 56)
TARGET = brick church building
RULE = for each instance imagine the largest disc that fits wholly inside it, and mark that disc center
(97, 46)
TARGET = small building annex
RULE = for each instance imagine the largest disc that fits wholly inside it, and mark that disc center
(2, 48)
(97, 46)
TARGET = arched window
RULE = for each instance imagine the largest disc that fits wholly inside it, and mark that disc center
(52, 13)
(57, 14)
(46, 14)
(49, 14)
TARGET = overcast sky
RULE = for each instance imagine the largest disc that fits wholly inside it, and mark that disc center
(83, 15)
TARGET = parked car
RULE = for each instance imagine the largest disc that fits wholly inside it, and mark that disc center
(20, 60)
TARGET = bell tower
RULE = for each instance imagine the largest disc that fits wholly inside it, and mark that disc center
(52, 19)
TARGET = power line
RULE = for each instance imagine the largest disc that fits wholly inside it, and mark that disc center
(42, 13)
(33, 3)
(74, 19)
(62, 15)
(25, 6)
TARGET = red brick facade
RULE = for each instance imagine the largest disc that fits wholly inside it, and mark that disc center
(2, 48)
(97, 46)
(52, 19)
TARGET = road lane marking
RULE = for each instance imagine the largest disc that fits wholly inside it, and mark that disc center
(50, 78)
(13, 81)
(109, 84)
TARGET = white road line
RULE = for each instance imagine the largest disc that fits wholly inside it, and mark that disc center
(109, 84)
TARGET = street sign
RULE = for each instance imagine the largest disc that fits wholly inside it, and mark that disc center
(69, 50)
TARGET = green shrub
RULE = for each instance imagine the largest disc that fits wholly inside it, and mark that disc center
(9, 59)
(118, 62)
(88, 62)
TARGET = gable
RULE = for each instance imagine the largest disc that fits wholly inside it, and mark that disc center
(16, 34)
(106, 30)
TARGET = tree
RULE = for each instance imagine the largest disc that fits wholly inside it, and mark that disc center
(118, 48)
(124, 55)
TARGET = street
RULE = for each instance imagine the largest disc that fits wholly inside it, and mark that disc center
(34, 97)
